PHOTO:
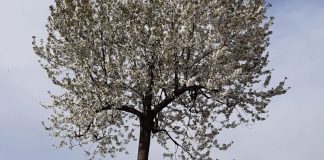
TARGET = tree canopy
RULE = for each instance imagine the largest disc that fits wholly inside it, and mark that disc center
(179, 70)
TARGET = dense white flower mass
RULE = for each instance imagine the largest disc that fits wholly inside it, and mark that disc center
(184, 70)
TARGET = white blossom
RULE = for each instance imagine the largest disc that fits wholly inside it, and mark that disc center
(181, 70)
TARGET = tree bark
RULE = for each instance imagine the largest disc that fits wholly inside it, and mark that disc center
(144, 140)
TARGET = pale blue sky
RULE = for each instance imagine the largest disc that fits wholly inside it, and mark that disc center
(293, 131)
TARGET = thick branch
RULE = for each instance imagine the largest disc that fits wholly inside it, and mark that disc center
(151, 80)
(176, 94)
(147, 99)
(176, 69)
(122, 108)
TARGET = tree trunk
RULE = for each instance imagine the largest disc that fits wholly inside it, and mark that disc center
(144, 140)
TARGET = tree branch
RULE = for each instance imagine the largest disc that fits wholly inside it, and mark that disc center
(173, 140)
(175, 95)
(200, 58)
(122, 108)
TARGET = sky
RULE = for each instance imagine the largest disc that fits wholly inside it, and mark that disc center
(293, 131)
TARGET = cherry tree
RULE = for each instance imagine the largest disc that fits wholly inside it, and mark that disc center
(181, 71)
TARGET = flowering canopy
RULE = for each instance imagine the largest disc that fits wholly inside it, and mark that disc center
(192, 68)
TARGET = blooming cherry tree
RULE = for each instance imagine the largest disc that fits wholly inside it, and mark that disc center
(182, 71)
